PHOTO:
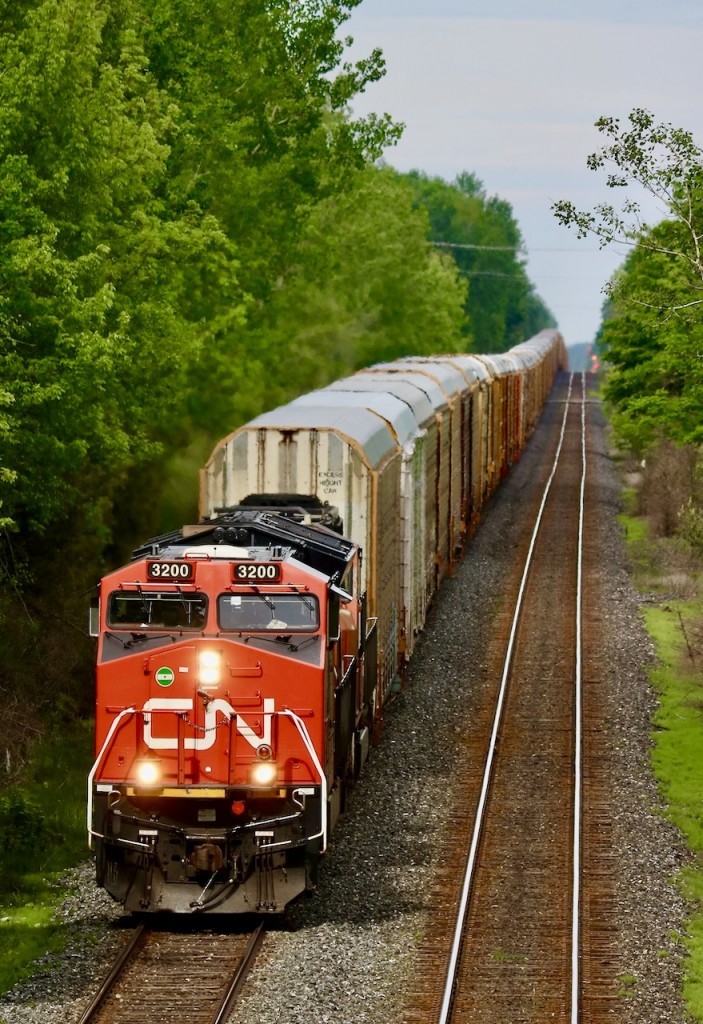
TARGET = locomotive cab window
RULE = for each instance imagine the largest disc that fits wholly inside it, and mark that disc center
(265, 612)
(139, 611)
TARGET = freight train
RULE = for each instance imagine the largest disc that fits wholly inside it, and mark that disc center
(243, 662)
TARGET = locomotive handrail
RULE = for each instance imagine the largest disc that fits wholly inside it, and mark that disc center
(93, 770)
(305, 736)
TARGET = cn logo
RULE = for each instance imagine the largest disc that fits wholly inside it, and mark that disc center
(179, 705)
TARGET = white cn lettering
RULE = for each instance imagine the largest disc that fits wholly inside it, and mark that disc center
(204, 742)
(248, 733)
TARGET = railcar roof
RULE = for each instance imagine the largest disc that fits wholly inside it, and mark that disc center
(391, 409)
(390, 384)
(502, 363)
(450, 376)
(367, 431)
(417, 376)
(470, 365)
(533, 350)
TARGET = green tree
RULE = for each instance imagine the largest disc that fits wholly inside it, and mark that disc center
(367, 287)
(93, 265)
(484, 239)
(263, 137)
(665, 163)
(102, 286)
(653, 331)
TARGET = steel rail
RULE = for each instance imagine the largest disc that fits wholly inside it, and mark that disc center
(116, 969)
(488, 767)
(239, 975)
(229, 996)
(578, 739)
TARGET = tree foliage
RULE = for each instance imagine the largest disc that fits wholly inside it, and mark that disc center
(366, 287)
(652, 337)
(93, 265)
(483, 237)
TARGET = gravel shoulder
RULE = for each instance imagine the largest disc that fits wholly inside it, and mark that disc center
(349, 952)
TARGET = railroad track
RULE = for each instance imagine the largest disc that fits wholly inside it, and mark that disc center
(185, 976)
(532, 939)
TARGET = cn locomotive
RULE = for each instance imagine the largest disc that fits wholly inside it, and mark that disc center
(244, 662)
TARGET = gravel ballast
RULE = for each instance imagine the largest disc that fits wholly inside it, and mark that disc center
(348, 952)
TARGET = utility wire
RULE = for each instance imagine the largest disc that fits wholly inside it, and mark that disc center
(504, 248)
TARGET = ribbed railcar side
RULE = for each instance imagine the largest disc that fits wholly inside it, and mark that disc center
(404, 423)
(438, 508)
(544, 355)
(505, 371)
(423, 467)
(435, 474)
(455, 386)
(477, 444)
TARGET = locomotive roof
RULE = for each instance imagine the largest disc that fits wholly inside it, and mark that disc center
(316, 546)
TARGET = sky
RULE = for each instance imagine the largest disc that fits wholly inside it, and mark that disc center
(510, 90)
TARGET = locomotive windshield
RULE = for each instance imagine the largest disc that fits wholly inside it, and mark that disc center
(261, 611)
(141, 610)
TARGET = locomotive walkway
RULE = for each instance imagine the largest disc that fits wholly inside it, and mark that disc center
(533, 940)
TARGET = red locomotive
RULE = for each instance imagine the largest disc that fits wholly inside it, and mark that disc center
(243, 662)
(231, 693)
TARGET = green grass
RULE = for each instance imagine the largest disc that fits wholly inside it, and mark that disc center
(628, 984)
(28, 932)
(43, 827)
(677, 753)
(677, 760)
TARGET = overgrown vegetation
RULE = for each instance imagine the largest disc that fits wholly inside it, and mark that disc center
(669, 564)
(43, 828)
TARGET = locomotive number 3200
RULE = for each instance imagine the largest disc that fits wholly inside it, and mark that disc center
(246, 572)
(169, 570)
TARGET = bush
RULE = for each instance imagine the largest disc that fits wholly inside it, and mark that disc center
(691, 526)
(22, 825)
(670, 479)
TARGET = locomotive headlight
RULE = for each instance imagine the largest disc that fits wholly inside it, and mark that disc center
(209, 666)
(263, 773)
(148, 772)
